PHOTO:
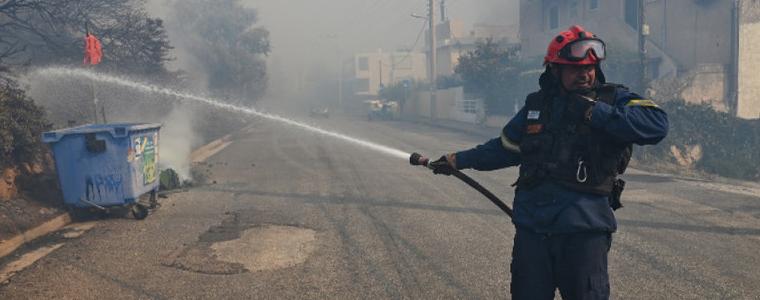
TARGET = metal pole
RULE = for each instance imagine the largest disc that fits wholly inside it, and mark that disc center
(443, 11)
(734, 87)
(340, 82)
(94, 99)
(643, 32)
(433, 60)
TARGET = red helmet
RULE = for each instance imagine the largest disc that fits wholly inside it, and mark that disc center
(576, 46)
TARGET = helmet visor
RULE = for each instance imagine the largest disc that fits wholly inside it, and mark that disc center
(579, 50)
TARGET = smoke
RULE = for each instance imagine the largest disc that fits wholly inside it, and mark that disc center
(178, 137)
(183, 60)
(68, 102)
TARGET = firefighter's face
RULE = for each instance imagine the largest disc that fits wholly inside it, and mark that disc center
(577, 77)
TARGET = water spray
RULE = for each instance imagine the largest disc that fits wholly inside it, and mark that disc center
(105, 78)
(414, 158)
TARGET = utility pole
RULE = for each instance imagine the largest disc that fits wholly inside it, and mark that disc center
(433, 60)
(734, 92)
(340, 82)
(380, 63)
(443, 11)
(643, 33)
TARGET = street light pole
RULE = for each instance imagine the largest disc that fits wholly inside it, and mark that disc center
(643, 32)
(433, 60)
(340, 82)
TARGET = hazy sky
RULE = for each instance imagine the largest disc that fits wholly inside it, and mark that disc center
(302, 26)
(309, 35)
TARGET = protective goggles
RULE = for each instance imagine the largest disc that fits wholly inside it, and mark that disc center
(578, 50)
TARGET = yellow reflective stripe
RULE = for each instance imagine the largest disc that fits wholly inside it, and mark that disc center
(642, 102)
(509, 145)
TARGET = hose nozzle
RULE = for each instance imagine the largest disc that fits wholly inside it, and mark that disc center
(418, 160)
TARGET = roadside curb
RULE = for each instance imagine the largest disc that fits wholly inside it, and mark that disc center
(7, 247)
(204, 152)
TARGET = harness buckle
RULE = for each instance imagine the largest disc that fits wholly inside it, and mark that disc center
(581, 175)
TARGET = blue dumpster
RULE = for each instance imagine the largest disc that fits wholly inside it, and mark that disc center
(106, 165)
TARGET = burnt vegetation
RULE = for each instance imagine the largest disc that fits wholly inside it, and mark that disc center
(21, 125)
(37, 33)
(41, 32)
(729, 145)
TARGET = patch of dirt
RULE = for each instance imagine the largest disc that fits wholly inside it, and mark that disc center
(198, 258)
(235, 247)
(33, 197)
(20, 214)
(268, 247)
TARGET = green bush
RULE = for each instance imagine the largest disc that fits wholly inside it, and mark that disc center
(730, 145)
(21, 126)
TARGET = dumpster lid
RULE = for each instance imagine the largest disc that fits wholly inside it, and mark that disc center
(116, 130)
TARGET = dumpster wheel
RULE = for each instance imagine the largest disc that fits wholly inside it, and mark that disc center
(77, 214)
(139, 211)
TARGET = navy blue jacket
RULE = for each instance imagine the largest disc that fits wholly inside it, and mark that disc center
(550, 207)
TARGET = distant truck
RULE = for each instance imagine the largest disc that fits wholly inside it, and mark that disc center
(382, 110)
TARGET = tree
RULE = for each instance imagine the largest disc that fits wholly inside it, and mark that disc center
(490, 72)
(222, 37)
(40, 32)
(21, 126)
(401, 91)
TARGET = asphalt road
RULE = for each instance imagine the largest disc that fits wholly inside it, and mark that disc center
(298, 215)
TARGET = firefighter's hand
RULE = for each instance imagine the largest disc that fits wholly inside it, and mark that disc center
(580, 107)
(445, 165)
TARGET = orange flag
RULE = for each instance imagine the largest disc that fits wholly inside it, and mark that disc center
(92, 50)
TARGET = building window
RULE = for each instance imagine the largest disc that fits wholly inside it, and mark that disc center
(572, 8)
(363, 63)
(470, 106)
(632, 13)
(553, 18)
(593, 4)
(362, 85)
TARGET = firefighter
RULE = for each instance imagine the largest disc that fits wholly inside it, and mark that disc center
(571, 140)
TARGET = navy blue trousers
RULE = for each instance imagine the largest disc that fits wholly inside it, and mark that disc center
(576, 264)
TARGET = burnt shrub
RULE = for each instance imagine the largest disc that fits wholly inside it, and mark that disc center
(730, 145)
(22, 123)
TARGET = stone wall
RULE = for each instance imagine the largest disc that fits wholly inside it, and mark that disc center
(706, 84)
(446, 100)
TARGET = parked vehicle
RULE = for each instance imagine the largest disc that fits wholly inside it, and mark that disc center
(382, 110)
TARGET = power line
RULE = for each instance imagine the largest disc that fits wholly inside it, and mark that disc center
(416, 42)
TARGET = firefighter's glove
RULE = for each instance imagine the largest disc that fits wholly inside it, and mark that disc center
(444, 165)
(580, 107)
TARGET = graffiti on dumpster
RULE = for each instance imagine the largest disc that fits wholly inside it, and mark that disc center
(101, 188)
(144, 147)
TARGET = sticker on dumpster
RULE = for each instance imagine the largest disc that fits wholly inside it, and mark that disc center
(139, 146)
(130, 154)
(144, 148)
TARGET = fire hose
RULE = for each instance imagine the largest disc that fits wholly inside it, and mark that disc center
(418, 160)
